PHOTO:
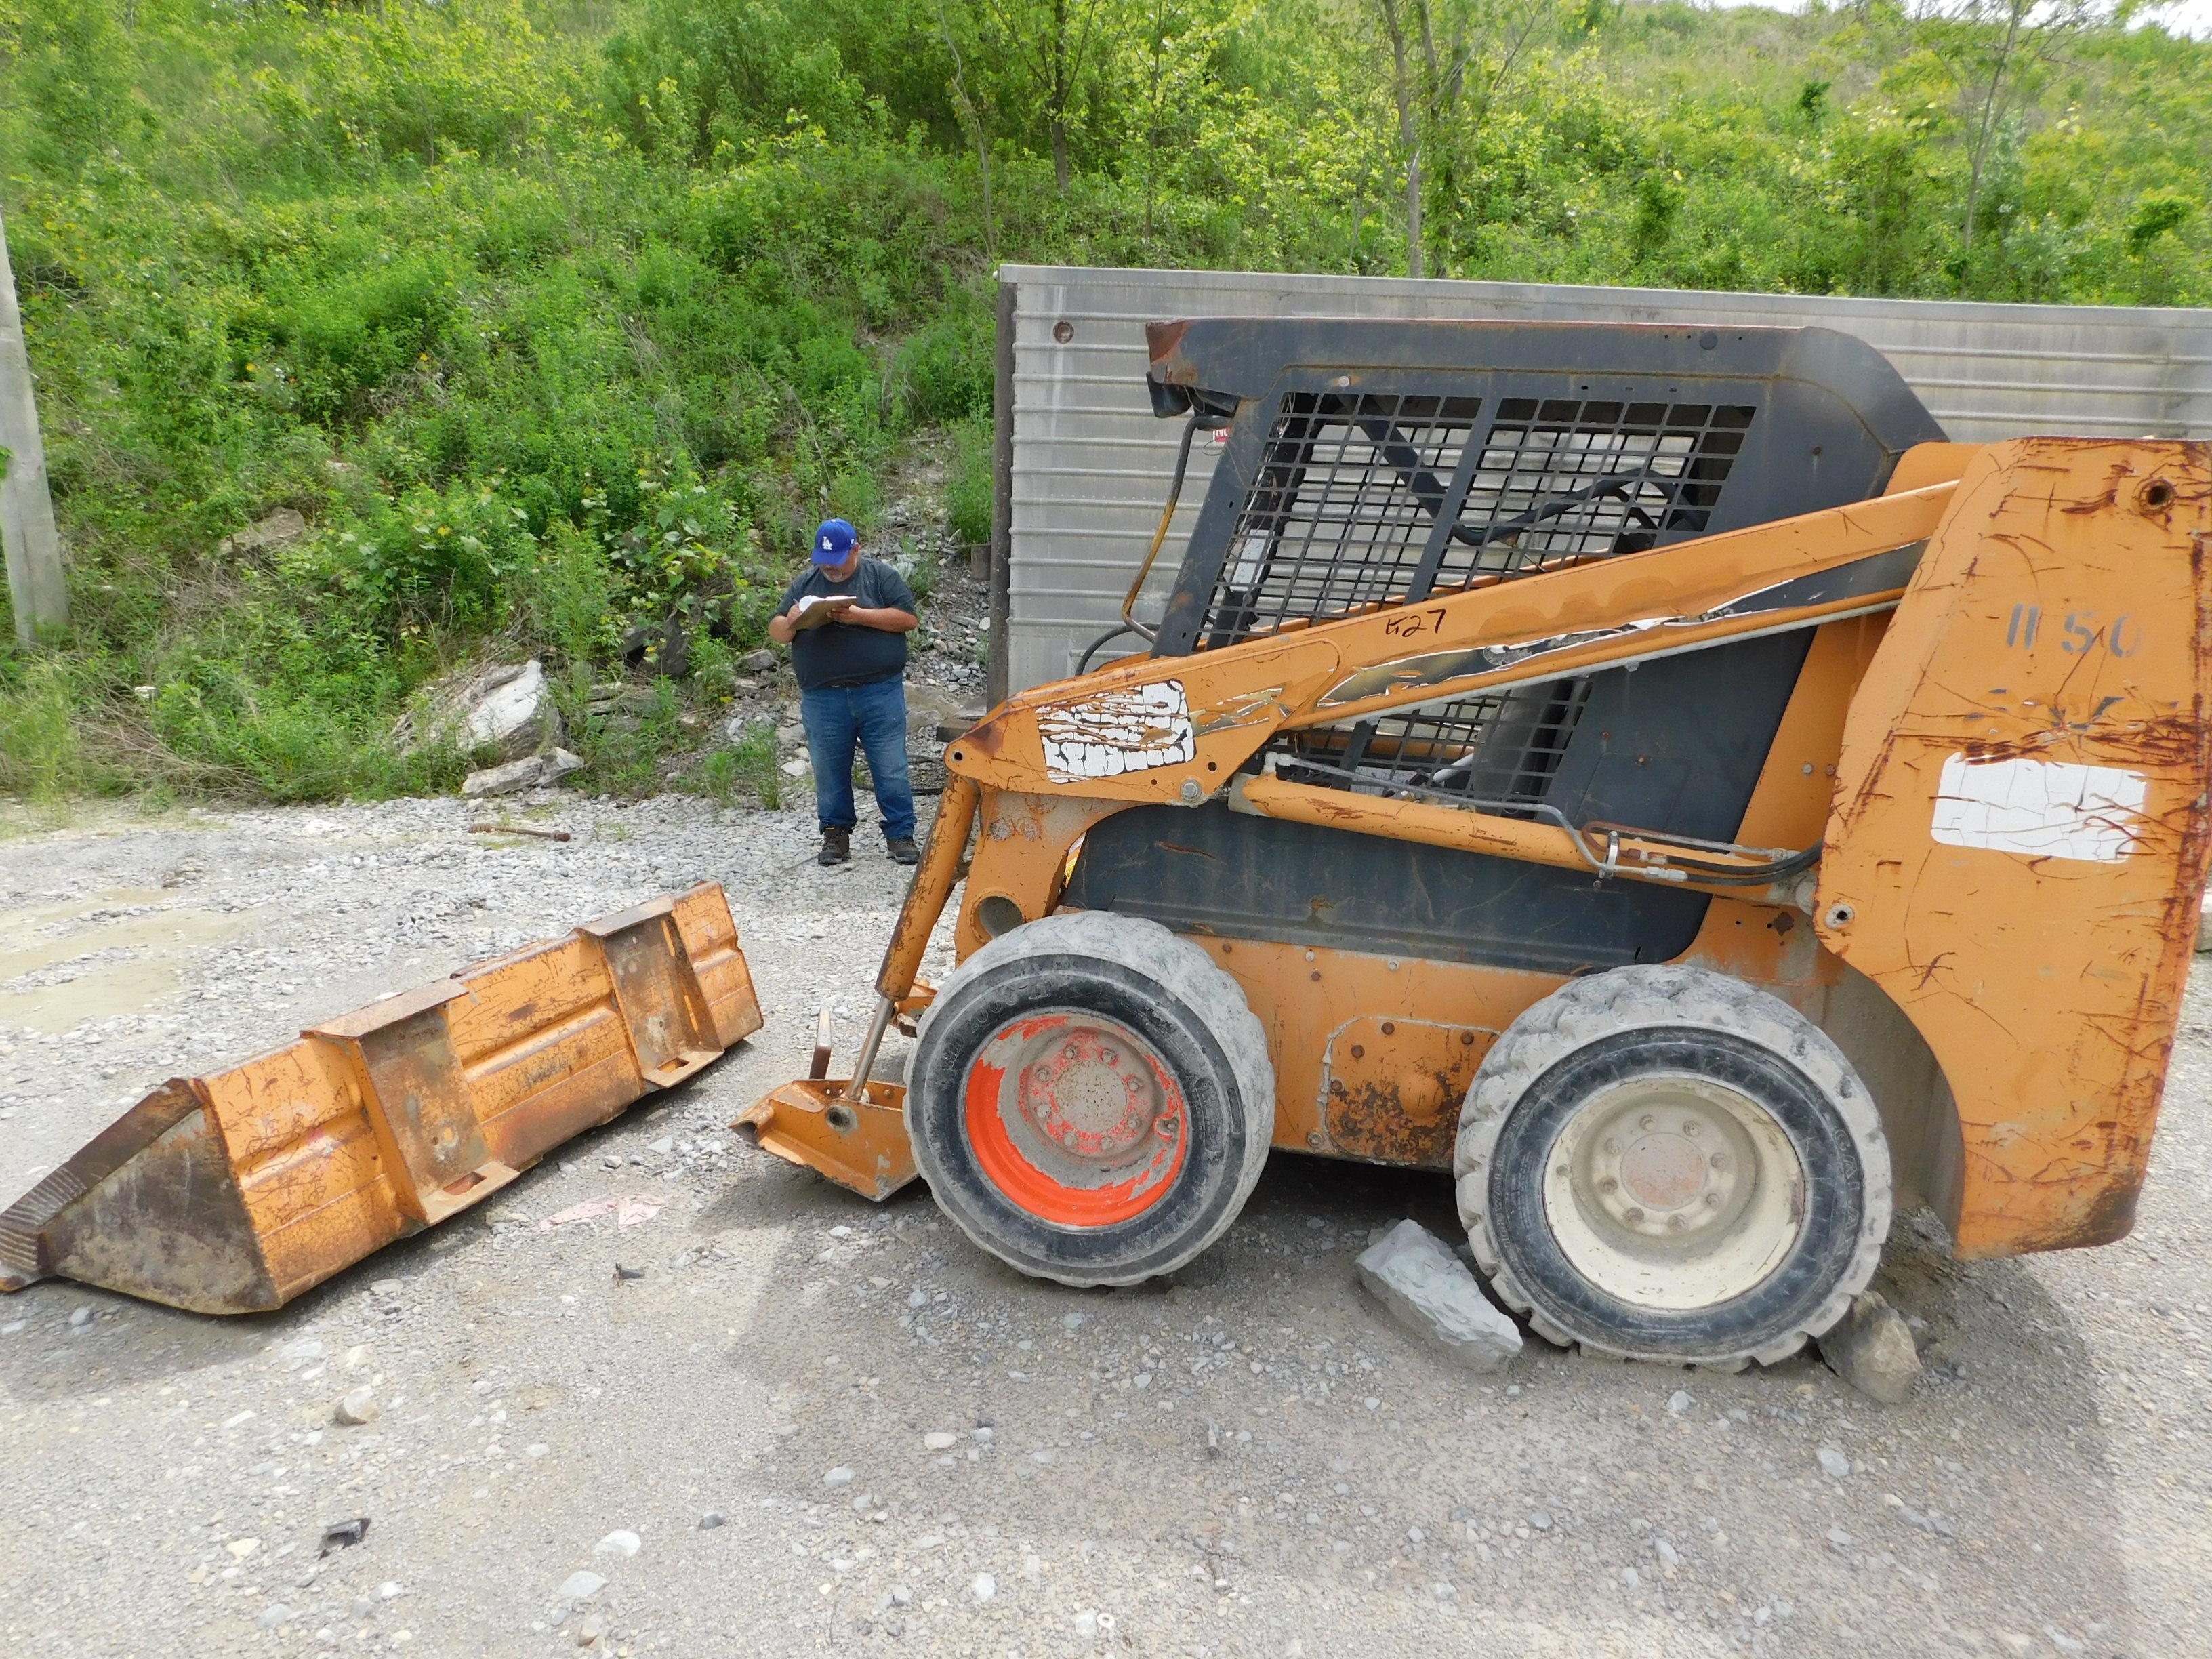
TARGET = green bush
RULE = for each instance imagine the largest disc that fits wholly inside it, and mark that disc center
(41, 756)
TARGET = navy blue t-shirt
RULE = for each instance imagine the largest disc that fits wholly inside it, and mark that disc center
(846, 653)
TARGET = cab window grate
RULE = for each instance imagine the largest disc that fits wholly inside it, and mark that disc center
(1497, 747)
(1560, 481)
(1349, 487)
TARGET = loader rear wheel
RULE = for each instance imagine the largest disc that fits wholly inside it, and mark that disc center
(1665, 1163)
(1090, 1099)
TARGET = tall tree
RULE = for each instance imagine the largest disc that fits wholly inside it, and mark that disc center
(1449, 60)
(1996, 53)
(1051, 43)
(971, 122)
(1161, 85)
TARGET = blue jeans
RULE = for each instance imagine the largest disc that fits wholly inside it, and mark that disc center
(875, 716)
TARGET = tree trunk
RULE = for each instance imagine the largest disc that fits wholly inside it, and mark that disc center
(1409, 138)
(1058, 89)
(36, 590)
(973, 119)
(1989, 121)
(1413, 267)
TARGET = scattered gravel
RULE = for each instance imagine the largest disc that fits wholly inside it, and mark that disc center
(1250, 1460)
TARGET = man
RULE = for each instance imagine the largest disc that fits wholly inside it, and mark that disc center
(846, 620)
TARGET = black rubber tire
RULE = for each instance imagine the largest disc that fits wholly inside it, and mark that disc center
(1593, 1032)
(1159, 985)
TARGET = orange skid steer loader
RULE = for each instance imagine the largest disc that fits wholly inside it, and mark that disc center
(1645, 772)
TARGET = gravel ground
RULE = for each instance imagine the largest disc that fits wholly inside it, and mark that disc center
(818, 1426)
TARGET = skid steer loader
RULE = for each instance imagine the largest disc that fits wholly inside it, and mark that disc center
(1646, 772)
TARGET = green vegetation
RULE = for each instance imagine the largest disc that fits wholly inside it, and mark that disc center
(560, 322)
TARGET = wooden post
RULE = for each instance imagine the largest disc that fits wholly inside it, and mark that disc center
(26, 512)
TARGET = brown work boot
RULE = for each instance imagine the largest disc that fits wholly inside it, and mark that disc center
(903, 852)
(836, 847)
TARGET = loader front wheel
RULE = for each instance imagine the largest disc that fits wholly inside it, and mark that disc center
(1665, 1163)
(1090, 1099)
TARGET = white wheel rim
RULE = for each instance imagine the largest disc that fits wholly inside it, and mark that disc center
(1673, 1192)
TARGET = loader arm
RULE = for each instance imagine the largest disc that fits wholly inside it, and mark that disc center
(1179, 730)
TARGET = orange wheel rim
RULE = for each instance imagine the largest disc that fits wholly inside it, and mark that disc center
(1075, 1119)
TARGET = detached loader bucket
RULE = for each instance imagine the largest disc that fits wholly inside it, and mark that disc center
(234, 1192)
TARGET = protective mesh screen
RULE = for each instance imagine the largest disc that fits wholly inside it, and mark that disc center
(1496, 746)
(1559, 480)
(1348, 488)
(1346, 505)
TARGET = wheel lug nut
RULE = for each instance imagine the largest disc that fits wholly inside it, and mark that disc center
(1720, 1160)
(1675, 1224)
(1691, 1126)
(1635, 1213)
(1607, 1185)
(1645, 1122)
(1611, 1147)
(1713, 1200)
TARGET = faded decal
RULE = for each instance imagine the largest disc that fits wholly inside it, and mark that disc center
(1111, 732)
(2044, 808)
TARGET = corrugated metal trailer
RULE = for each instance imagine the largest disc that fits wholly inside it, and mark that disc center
(1083, 464)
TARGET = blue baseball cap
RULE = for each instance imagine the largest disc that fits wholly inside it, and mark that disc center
(832, 541)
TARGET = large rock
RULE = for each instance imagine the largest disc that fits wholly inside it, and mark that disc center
(1871, 1348)
(505, 708)
(1429, 1291)
(530, 772)
(280, 529)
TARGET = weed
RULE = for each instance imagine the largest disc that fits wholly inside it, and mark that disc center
(754, 760)
(968, 489)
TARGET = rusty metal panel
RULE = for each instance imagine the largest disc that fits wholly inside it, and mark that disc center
(1084, 462)
(663, 1005)
(710, 945)
(1391, 1089)
(2018, 845)
(545, 1047)
(151, 1200)
(234, 1192)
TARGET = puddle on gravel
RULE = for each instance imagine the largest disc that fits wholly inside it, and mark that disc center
(117, 952)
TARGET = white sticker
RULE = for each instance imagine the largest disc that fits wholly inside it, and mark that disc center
(1117, 732)
(2045, 809)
